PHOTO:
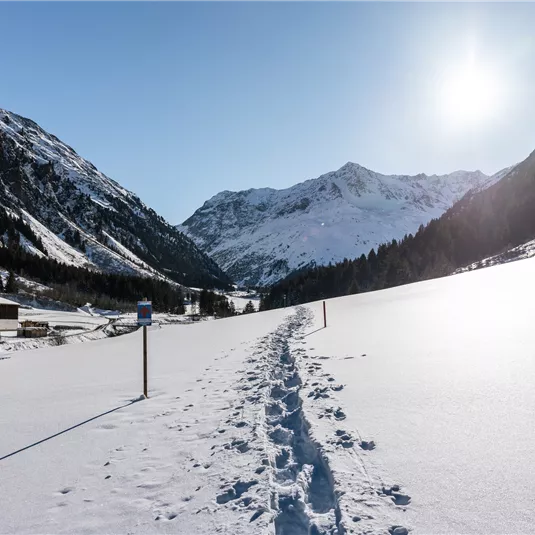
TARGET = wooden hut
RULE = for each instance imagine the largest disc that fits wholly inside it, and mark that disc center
(9, 315)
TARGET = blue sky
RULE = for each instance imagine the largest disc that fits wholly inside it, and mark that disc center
(178, 101)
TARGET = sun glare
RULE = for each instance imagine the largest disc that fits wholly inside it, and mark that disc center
(470, 95)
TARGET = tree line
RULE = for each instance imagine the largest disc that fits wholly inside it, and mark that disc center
(78, 285)
(12, 228)
(214, 304)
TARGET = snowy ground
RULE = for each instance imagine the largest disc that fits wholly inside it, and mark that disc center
(84, 325)
(73, 326)
(521, 252)
(241, 297)
(413, 409)
(61, 318)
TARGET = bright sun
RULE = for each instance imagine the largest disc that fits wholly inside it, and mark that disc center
(470, 95)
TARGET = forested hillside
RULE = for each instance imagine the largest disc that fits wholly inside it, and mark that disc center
(479, 225)
(77, 215)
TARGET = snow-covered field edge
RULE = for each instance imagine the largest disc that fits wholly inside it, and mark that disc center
(520, 252)
(85, 328)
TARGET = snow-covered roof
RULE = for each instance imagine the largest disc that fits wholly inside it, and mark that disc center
(4, 301)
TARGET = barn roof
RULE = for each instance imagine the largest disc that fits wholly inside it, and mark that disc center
(4, 301)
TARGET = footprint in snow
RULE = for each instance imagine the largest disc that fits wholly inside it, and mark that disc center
(149, 485)
(236, 491)
(339, 414)
(166, 516)
(107, 426)
(397, 497)
(258, 513)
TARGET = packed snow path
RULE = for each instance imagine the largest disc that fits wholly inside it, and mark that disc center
(307, 496)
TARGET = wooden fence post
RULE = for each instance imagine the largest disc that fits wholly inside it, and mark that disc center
(145, 389)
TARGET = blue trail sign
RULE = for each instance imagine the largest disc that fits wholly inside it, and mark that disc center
(144, 313)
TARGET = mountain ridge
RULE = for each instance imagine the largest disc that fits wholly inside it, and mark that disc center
(261, 235)
(86, 219)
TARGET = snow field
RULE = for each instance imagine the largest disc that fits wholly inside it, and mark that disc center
(169, 457)
(411, 412)
(84, 325)
(233, 449)
(436, 374)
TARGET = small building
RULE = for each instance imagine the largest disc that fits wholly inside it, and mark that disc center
(9, 315)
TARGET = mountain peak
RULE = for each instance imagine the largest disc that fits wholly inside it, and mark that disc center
(79, 216)
(353, 167)
(259, 236)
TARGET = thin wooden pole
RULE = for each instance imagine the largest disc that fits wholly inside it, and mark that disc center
(324, 316)
(145, 390)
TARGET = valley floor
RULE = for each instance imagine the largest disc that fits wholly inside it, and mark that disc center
(412, 410)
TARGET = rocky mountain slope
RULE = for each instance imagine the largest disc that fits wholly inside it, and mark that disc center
(259, 236)
(79, 216)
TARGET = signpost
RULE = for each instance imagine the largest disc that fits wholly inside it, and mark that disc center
(144, 318)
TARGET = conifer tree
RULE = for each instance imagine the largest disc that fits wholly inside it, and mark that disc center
(354, 288)
(11, 284)
(249, 308)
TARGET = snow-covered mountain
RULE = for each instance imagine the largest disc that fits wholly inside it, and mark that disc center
(259, 236)
(84, 218)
